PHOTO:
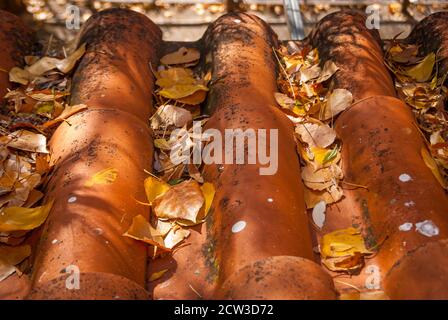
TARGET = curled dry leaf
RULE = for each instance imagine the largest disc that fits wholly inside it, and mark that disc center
(343, 250)
(319, 135)
(66, 113)
(105, 176)
(182, 201)
(338, 101)
(142, 230)
(26, 140)
(321, 179)
(64, 65)
(155, 188)
(19, 75)
(328, 70)
(157, 275)
(181, 56)
(168, 115)
(175, 236)
(18, 218)
(432, 165)
(423, 71)
(330, 195)
(309, 73)
(10, 257)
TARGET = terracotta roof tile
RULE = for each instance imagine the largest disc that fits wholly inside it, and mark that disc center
(272, 258)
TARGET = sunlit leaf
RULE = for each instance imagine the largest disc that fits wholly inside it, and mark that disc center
(105, 176)
(154, 188)
(422, 71)
(18, 218)
(182, 201)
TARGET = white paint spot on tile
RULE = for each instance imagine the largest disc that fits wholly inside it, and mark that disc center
(72, 199)
(54, 241)
(405, 226)
(404, 177)
(239, 226)
(409, 204)
(270, 200)
(319, 213)
(427, 228)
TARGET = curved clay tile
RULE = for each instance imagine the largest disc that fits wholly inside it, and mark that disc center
(273, 241)
(381, 153)
(256, 241)
(85, 227)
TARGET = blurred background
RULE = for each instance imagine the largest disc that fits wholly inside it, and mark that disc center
(186, 20)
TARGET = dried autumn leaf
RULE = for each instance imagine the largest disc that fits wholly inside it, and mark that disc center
(18, 218)
(173, 76)
(167, 115)
(320, 135)
(181, 56)
(193, 99)
(26, 140)
(181, 90)
(154, 188)
(194, 173)
(10, 257)
(64, 65)
(66, 113)
(175, 236)
(105, 176)
(182, 201)
(309, 73)
(142, 230)
(208, 191)
(321, 179)
(157, 275)
(432, 165)
(422, 71)
(338, 101)
(313, 197)
(342, 243)
(328, 70)
(284, 101)
(19, 75)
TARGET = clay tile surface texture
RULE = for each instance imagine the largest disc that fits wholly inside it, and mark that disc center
(257, 241)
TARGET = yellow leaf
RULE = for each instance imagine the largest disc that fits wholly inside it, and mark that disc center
(142, 230)
(422, 71)
(432, 165)
(106, 176)
(18, 218)
(162, 144)
(154, 188)
(343, 242)
(208, 191)
(66, 113)
(157, 275)
(181, 90)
